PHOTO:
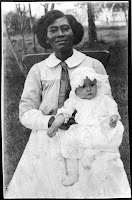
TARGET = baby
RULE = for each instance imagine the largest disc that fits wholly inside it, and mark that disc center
(97, 120)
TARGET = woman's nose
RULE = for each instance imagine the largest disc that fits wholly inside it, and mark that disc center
(88, 88)
(60, 32)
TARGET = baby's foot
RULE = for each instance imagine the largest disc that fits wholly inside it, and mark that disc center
(69, 180)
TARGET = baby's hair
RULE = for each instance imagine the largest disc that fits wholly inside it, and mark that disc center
(87, 78)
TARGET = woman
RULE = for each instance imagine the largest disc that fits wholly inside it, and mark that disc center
(39, 172)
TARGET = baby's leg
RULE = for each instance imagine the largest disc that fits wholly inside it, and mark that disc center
(72, 172)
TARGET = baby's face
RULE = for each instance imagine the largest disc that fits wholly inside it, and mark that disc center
(88, 90)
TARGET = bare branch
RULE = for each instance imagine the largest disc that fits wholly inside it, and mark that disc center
(19, 63)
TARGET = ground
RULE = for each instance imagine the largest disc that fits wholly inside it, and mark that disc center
(16, 136)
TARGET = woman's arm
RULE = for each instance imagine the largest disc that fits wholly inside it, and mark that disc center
(29, 114)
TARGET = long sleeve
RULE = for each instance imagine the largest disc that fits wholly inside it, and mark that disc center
(104, 142)
(29, 114)
(99, 68)
(112, 137)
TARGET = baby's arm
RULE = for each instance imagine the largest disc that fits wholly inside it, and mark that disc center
(112, 114)
(68, 108)
(111, 127)
(113, 120)
(59, 120)
(63, 115)
(109, 122)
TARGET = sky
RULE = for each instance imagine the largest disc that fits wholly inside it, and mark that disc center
(36, 7)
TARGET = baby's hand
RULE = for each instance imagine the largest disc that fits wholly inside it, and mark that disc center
(55, 125)
(51, 131)
(113, 121)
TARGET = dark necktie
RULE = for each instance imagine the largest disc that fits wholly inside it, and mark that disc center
(64, 91)
(65, 87)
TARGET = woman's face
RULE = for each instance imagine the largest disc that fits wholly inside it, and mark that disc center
(60, 35)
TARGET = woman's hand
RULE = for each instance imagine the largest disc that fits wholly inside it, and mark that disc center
(65, 126)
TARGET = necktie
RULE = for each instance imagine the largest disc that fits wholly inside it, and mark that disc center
(64, 91)
(64, 85)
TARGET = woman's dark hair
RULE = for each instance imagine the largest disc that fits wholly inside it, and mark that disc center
(49, 18)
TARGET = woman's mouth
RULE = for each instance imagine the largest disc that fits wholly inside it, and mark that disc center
(61, 41)
(89, 94)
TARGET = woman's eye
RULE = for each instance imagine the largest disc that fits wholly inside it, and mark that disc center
(65, 28)
(53, 30)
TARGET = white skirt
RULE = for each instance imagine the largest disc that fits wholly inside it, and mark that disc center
(41, 167)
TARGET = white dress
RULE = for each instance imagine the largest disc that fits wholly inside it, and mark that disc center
(39, 172)
(92, 130)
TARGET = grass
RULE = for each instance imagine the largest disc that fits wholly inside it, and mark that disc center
(16, 136)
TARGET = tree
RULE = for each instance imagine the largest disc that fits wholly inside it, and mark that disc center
(124, 7)
(32, 27)
(18, 60)
(22, 23)
(17, 22)
(89, 7)
(108, 9)
(91, 24)
(12, 23)
(47, 7)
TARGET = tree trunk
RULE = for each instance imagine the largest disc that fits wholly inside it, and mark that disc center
(91, 24)
(34, 43)
(23, 43)
(31, 27)
(52, 6)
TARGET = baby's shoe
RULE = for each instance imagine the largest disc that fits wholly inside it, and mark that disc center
(70, 179)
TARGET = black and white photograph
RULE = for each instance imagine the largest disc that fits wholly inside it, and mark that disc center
(64, 82)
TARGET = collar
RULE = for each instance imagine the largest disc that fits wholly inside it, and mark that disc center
(76, 58)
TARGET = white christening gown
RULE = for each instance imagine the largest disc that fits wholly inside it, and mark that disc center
(41, 167)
